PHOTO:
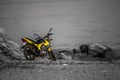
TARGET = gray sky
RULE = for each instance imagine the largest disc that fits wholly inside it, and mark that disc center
(73, 21)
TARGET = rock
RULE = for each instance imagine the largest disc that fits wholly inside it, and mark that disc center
(98, 47)
(66, 57)
(2, 34)
(76, 50)
(9, 48)
(104, 71)
(97, 50)
(2, 30)
(40, 71)
(65, 64)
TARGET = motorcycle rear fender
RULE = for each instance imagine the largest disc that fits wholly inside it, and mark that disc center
(27, 41)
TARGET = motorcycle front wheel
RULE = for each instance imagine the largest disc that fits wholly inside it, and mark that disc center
(52, 56)
(28, 52)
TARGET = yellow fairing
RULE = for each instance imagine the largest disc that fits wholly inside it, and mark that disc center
(46, 43)
(39, 46)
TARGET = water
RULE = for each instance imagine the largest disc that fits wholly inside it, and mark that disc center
(73, 22)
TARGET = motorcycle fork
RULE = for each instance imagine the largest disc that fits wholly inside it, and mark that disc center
(49, 49)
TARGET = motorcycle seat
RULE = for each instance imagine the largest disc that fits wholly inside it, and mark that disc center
(31, 40)
(38, 41)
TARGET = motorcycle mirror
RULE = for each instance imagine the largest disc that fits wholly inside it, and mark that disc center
(35, 34)
(51, 39)
(50, 29)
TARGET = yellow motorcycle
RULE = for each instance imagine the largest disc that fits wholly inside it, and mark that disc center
(39, 48)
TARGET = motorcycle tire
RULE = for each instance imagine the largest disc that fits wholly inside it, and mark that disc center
(52, 56)
(28, 52)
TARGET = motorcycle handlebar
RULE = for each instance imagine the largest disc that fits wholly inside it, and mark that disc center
(50, 34)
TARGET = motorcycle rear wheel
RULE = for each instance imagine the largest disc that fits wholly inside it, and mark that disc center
(28, 52)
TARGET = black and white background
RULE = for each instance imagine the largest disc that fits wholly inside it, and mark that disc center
(74, 22)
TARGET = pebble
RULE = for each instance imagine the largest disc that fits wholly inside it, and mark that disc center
(40, 71)
(65, 64)
(104, 71)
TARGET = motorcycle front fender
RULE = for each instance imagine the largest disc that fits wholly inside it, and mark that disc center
(49, 49)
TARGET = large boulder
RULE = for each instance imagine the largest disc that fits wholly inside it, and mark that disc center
(63, 54)
(98, 50)
(8, 48)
